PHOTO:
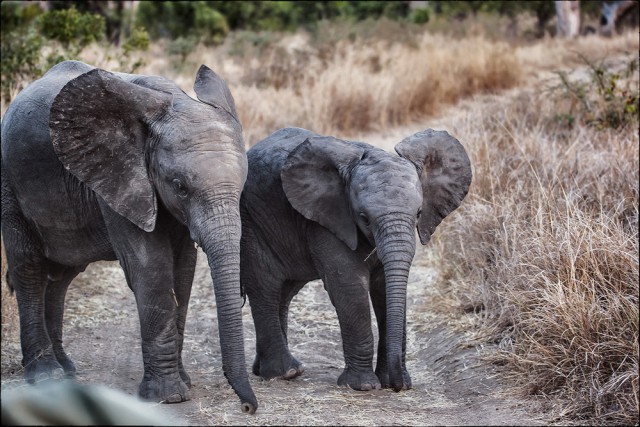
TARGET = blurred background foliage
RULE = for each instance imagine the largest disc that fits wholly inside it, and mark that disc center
(36, 35)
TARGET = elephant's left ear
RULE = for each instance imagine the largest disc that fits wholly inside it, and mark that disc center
(213, 90)
(99, 126)
(445, 174)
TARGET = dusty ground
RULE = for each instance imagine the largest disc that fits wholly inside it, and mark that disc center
(452, 386)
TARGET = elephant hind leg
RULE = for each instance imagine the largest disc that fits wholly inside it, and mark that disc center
(289, 290)
(59, 278)
(28, 277)
(273, 359)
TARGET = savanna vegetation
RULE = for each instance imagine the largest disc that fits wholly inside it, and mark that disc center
(542, 257)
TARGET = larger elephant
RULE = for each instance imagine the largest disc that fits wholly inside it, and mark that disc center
(112, 166)
(346, 212)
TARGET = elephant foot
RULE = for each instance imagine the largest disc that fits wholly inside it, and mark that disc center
(383, 375)
(184, 376)
(359, 380)
(43, 368)
(67, 364)
(164, 389)
(285, 368)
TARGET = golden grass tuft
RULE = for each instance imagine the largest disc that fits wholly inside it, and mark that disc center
(545, 248)
(375, 86)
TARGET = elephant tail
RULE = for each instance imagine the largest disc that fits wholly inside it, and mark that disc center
(8, 199)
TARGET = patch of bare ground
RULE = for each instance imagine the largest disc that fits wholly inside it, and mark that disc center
(451, 385)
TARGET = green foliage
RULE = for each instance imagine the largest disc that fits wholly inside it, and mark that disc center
(420, 16)
(15, 17)
(28, 33)
(180, 48)
(209, 24)
(606, 100)
(72, 29)
(137, 41)
(20, 46)
(186, 19)
(212, 20)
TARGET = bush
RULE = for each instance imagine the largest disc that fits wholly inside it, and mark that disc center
(72, 29)
(420, 16)
(20, 46)
(172, 20)
(28, 34)
(606, 99)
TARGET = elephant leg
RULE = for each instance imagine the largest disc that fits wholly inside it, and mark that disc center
(346, 279)
(289, 290)
(183, 270)
(59, 278)
(273, 359)
(378, 300)
(147, 259)
(27, 275)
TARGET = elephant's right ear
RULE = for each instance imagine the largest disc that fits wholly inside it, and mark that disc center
(313, 178)
(445, 174)
(99, 126)
(211, 89)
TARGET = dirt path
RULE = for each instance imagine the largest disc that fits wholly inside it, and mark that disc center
(451, 385)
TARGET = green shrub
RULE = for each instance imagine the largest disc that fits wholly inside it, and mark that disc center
(72, 29)
(420, 16)
(606, 100)
(137, 41)
(20, 46)
(209, 24)
(28, 34)
(195, 19)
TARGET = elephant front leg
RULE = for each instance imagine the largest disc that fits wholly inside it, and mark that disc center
(147, 259)
(184, 269)
(351, 302)
(378, 300)
(160, 344)
(346, 279)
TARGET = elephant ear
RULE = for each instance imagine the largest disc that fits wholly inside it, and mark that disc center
(99, 125)
(313, 179)
(445, 175)
(211, 89)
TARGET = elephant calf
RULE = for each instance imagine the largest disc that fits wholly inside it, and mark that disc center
(318, 207)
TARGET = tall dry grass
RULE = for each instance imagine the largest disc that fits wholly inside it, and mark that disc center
(545, 250)
(368, 87)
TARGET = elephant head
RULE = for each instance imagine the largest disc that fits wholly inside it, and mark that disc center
(355, 189)
(139, 143)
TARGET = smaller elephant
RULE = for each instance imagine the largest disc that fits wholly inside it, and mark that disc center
(345, 212)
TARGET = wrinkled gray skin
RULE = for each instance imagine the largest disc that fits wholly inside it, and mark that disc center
(345, 212)
(105, 166)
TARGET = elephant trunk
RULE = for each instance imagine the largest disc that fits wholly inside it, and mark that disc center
(395, 240)
(221, 243)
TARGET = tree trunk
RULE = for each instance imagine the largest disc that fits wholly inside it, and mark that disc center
(612, 14)
(568, 18)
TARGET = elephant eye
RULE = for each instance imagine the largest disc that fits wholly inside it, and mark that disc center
(364, 218)
(179, 187)
(419, 213)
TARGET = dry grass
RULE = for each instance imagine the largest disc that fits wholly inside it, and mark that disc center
(546, 250)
